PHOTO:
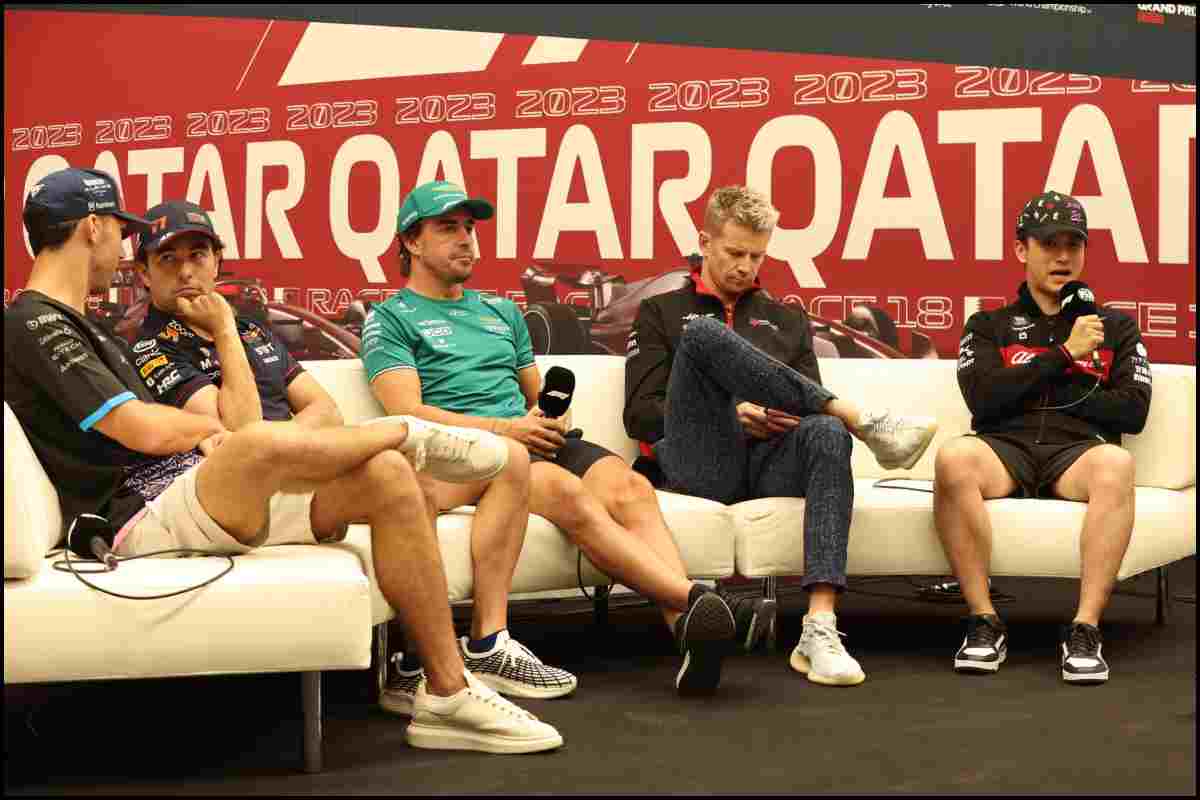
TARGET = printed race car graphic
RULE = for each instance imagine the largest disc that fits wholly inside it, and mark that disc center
(579, 310)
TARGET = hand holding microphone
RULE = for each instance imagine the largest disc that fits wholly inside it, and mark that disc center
(1087, 334)
(544, 429)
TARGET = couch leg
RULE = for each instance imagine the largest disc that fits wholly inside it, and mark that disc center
(381, 658)
(600, 606)
(770, 593)
(311, 692)
(1162, 601)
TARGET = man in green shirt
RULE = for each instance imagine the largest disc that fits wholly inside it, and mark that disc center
(450, 355)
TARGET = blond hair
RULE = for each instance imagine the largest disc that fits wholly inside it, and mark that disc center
(742, 205)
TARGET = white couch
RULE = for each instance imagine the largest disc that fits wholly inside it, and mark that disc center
(310, 609)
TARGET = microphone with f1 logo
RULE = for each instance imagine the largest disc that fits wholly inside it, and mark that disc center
(556, 395)
(1076, 300)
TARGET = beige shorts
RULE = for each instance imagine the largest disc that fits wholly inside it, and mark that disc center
(175, 520)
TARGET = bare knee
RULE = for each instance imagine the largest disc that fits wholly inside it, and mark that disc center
(387, 481)
(566, 502)
(1112, 473)
(956, 467)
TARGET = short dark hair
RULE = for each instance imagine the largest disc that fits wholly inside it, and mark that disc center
(52, 237)
(414, 231)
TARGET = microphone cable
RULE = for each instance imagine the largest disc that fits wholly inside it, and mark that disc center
(68, 565)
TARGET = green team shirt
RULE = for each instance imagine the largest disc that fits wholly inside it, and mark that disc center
(467, 352)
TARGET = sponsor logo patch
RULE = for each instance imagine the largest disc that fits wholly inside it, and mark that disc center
(145, 345)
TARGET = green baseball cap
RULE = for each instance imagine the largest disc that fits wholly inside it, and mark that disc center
(436, 198)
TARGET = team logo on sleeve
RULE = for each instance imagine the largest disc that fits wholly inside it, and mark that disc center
(1141, 366)
(966, 353)
(631, 345)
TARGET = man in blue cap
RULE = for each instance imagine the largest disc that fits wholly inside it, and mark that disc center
(452, 355)
(169, 479)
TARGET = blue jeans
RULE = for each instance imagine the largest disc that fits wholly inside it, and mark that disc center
(706, 452)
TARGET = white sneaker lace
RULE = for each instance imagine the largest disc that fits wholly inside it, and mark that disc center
(493, 699)
(884, 423)
(446, 445)
(826, 638)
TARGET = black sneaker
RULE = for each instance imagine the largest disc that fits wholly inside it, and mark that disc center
(703, 634)
(985, 646)
(752, 617)
(1081, 659)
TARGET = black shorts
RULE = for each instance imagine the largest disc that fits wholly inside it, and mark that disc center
(576, 456)
(1035, 467)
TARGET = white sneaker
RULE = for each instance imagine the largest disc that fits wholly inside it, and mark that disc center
(821, 656)
(476, 718)
(510, 668)
(897, 441)
(454, 455)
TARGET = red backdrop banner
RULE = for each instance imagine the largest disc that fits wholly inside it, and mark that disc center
(899, 182)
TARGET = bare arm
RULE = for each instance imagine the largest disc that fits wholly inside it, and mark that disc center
(156, 429)
(312, 405)
(237, 400)
(399, 392)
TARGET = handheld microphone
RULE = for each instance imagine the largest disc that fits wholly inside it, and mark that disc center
(1076, 301)
(91, 536)
(557, 391)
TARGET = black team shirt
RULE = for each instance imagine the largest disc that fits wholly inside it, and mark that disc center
(176, 363)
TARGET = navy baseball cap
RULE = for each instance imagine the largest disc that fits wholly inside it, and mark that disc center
(72, 194)
(1050, 213)
(168, 220)
(436, 198)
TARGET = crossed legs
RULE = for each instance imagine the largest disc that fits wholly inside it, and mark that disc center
(356, 474)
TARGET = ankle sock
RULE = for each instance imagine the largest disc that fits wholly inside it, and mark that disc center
(478, 647)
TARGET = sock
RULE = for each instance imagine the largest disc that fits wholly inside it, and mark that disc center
(480, 646)
(827, 618)
(411, 662)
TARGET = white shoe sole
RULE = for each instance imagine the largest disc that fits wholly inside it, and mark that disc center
(982, 667)
(1098, 677)
(401, 705)
(433, 737)
(517, 689)
(801, 664)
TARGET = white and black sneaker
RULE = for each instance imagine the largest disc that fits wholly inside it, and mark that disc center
(1080, 649)
(704, 635)
(510, 668)
(985, 646)
(397, 696)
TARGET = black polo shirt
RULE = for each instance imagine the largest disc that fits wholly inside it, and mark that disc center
(175, 362)
(62, 375)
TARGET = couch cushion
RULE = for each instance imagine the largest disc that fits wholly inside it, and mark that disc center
(281, 609)
(548, 561)
(892, 533)
(1165, 451)
(32, 515)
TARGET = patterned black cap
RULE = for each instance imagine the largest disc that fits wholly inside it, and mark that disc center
(1049, 213)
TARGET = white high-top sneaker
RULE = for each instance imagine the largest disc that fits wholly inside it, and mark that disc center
(448, 453)
(897, 441)
(821, 656)
(476, 718)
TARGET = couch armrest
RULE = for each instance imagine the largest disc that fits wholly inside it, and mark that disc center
(32, 515)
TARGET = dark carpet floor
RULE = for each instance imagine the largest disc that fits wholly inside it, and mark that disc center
(913, 727)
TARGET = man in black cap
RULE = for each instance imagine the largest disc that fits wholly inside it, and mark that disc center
(168, 479)
(1047, 423)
